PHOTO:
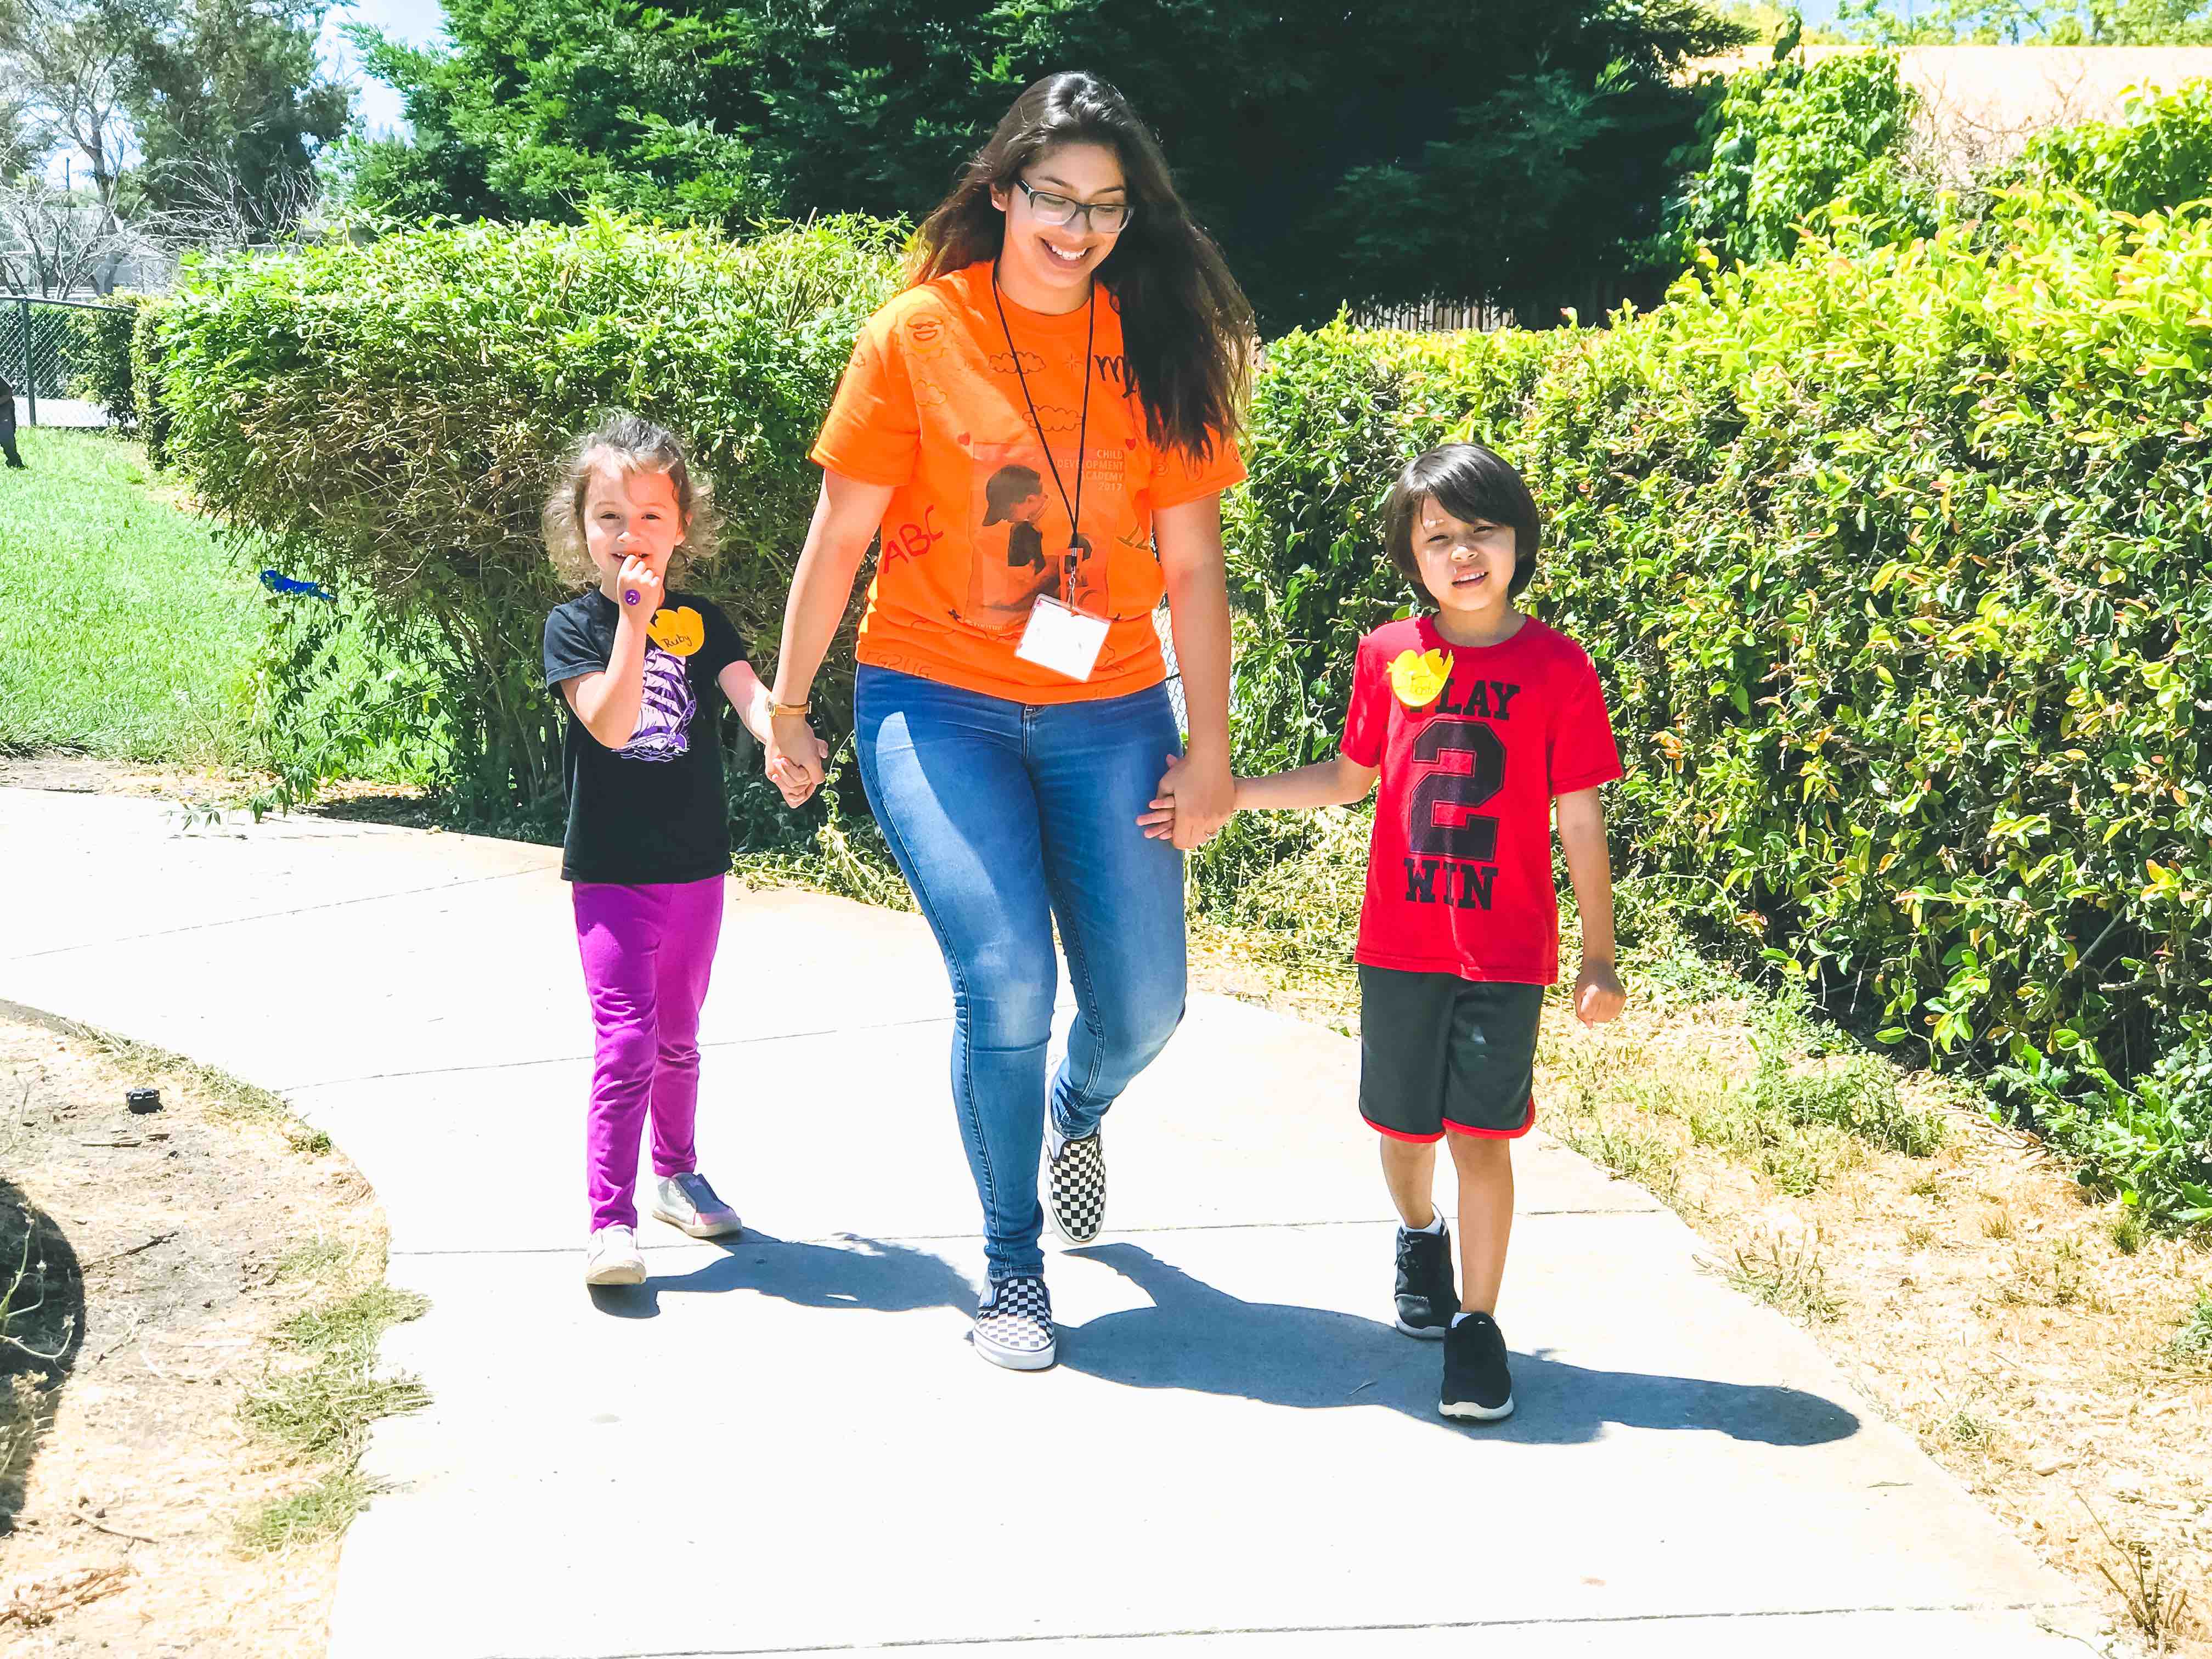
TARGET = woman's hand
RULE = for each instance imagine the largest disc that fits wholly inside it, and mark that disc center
(791, 779)
(1197, 795)
(795, 757)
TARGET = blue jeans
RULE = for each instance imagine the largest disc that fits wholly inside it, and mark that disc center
(1005, 818)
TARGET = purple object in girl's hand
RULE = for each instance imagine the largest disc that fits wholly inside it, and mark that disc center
(630, 596)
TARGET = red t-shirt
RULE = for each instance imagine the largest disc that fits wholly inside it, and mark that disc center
(1459, 872)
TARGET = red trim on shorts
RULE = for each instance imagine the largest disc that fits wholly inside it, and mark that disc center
(1399, 1135)
(1527, 1124)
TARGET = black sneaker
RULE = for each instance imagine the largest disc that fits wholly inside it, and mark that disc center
(1426, 1300)
(1477, 1384)
(1013, 1325)
(1075, 1175)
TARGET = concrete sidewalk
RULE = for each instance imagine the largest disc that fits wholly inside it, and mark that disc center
(785, 1446)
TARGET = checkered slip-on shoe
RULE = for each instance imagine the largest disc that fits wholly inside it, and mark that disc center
(1013, 1325)
(687, 1203)
(1075, 1176)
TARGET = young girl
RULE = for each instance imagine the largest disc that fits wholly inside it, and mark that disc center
(1480, 722)
(639, 664)
(1069, 360)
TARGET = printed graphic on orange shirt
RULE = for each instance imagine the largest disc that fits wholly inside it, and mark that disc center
(910, 540)
(926, 334)
(1022, 548)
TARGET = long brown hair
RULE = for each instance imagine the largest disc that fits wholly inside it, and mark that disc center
(1186, 328)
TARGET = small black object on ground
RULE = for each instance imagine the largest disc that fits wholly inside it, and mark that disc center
(144, 1100)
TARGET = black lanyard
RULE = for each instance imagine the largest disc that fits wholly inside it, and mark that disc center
(1075, 508)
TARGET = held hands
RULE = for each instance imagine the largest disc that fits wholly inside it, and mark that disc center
(795, 758)
(1598, 995)
(637, 589)
(1196, 797)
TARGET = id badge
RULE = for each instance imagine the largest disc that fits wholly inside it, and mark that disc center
(1067, 641)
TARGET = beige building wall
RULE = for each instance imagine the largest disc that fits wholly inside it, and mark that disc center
(1982, 103)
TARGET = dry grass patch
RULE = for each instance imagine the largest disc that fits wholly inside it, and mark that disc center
(184, 1469)
(2049, 1350)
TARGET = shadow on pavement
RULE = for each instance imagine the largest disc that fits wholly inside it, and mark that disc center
(860, 1272)
(1197, 1338)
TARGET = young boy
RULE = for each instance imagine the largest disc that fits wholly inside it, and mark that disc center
(1478, 719)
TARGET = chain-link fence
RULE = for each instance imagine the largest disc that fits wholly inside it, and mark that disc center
(42, 352)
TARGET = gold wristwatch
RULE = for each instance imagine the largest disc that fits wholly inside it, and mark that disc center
(778, 710)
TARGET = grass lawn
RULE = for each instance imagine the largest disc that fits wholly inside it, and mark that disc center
(126, 630)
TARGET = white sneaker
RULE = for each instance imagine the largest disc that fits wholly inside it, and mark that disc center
(686, 1202)
(612, 1258)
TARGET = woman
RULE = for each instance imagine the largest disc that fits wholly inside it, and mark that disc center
(1066, 323)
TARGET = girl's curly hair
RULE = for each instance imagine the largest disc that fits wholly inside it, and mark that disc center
(626, 444)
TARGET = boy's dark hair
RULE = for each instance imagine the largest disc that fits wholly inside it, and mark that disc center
(1186, 328)
(1006, 486)
(1469, 482)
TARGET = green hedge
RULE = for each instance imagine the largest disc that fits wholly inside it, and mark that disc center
(1893, 563)
(149, 383)
(1793, 141)
(2158, 156)
(100, 356)
(386, 420)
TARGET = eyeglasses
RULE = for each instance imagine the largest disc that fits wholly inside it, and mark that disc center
(1107, 218)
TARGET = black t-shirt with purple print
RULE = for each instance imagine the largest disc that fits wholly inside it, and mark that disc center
(652, 811)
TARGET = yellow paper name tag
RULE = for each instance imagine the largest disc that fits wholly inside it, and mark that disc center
(679, 632)
(1420, 677)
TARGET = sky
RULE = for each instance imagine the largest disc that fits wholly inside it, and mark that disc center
(413, 21)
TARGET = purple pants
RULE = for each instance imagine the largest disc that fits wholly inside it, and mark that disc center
(648, 951)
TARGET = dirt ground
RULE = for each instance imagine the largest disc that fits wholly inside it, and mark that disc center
(191, 1233)
(209, 788)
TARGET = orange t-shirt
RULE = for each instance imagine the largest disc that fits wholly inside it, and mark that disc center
(977, 529)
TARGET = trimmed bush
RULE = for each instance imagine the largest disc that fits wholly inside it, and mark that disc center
(100, 357)
(387, 420)
(1892, 562)
(1794, 141)
(2158, 156)
(148, 378)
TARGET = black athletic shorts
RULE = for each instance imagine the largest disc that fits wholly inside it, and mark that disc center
(1437, 1052)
